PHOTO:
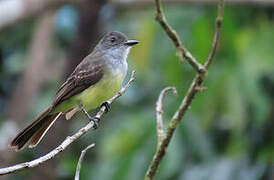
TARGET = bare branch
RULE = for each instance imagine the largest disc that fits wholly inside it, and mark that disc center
(79, 164)
(69, 139)
(172, 34)
(195, 87)
(219, 22)
(159, 113)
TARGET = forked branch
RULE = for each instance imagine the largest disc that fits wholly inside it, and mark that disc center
(173, 35)
(194, 88)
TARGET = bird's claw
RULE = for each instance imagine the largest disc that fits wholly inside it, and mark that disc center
(106, 105)
(95, 120)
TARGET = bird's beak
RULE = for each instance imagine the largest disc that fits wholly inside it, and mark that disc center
(131, 42)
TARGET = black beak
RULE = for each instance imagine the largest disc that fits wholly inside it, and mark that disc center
(131, 42)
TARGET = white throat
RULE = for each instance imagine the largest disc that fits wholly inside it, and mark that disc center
(118, 59)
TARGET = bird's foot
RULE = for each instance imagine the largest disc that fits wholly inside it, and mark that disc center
(106, 105)
(94, 119)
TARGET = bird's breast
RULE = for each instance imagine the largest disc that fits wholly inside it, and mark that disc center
(103, 90)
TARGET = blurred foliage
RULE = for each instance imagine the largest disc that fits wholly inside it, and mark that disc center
(226, 134)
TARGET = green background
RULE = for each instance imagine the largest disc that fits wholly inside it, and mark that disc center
(226, 134)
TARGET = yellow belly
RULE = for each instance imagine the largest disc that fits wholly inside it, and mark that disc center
(95, 95)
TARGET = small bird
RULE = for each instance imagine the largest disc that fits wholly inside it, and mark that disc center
(96, 79)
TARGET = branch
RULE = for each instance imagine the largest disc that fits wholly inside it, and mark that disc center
(172, 34)
(195, 87)
(69, 139)
(216, 37)
(79, 164)
(159, 113)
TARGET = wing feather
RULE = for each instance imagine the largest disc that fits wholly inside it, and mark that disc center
(86, 74)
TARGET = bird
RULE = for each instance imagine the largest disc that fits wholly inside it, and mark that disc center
(95, 79)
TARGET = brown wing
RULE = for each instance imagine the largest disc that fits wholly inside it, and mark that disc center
(86, 74)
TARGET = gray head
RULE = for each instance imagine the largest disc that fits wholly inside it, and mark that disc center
(115, 40)
(115, 45)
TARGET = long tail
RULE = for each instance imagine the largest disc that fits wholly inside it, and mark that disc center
(33, 133)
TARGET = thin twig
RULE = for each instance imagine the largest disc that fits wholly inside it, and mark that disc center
(159, 113)
(216, 37)
(79, 164)
(69, 139)
(172, 34)
(195, 87)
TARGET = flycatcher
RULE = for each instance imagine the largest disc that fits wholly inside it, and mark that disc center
(96, 79)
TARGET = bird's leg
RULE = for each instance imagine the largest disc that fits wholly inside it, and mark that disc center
(106, 105)
(95, 120)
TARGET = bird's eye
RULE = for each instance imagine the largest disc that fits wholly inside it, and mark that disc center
(113, 39)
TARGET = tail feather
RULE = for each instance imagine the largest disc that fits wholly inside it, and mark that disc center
(34, 132)
(37, 137)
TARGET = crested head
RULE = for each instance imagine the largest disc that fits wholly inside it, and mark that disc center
(115, 44)
(115, 39)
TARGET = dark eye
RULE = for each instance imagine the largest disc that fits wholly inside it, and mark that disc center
(113, 39)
